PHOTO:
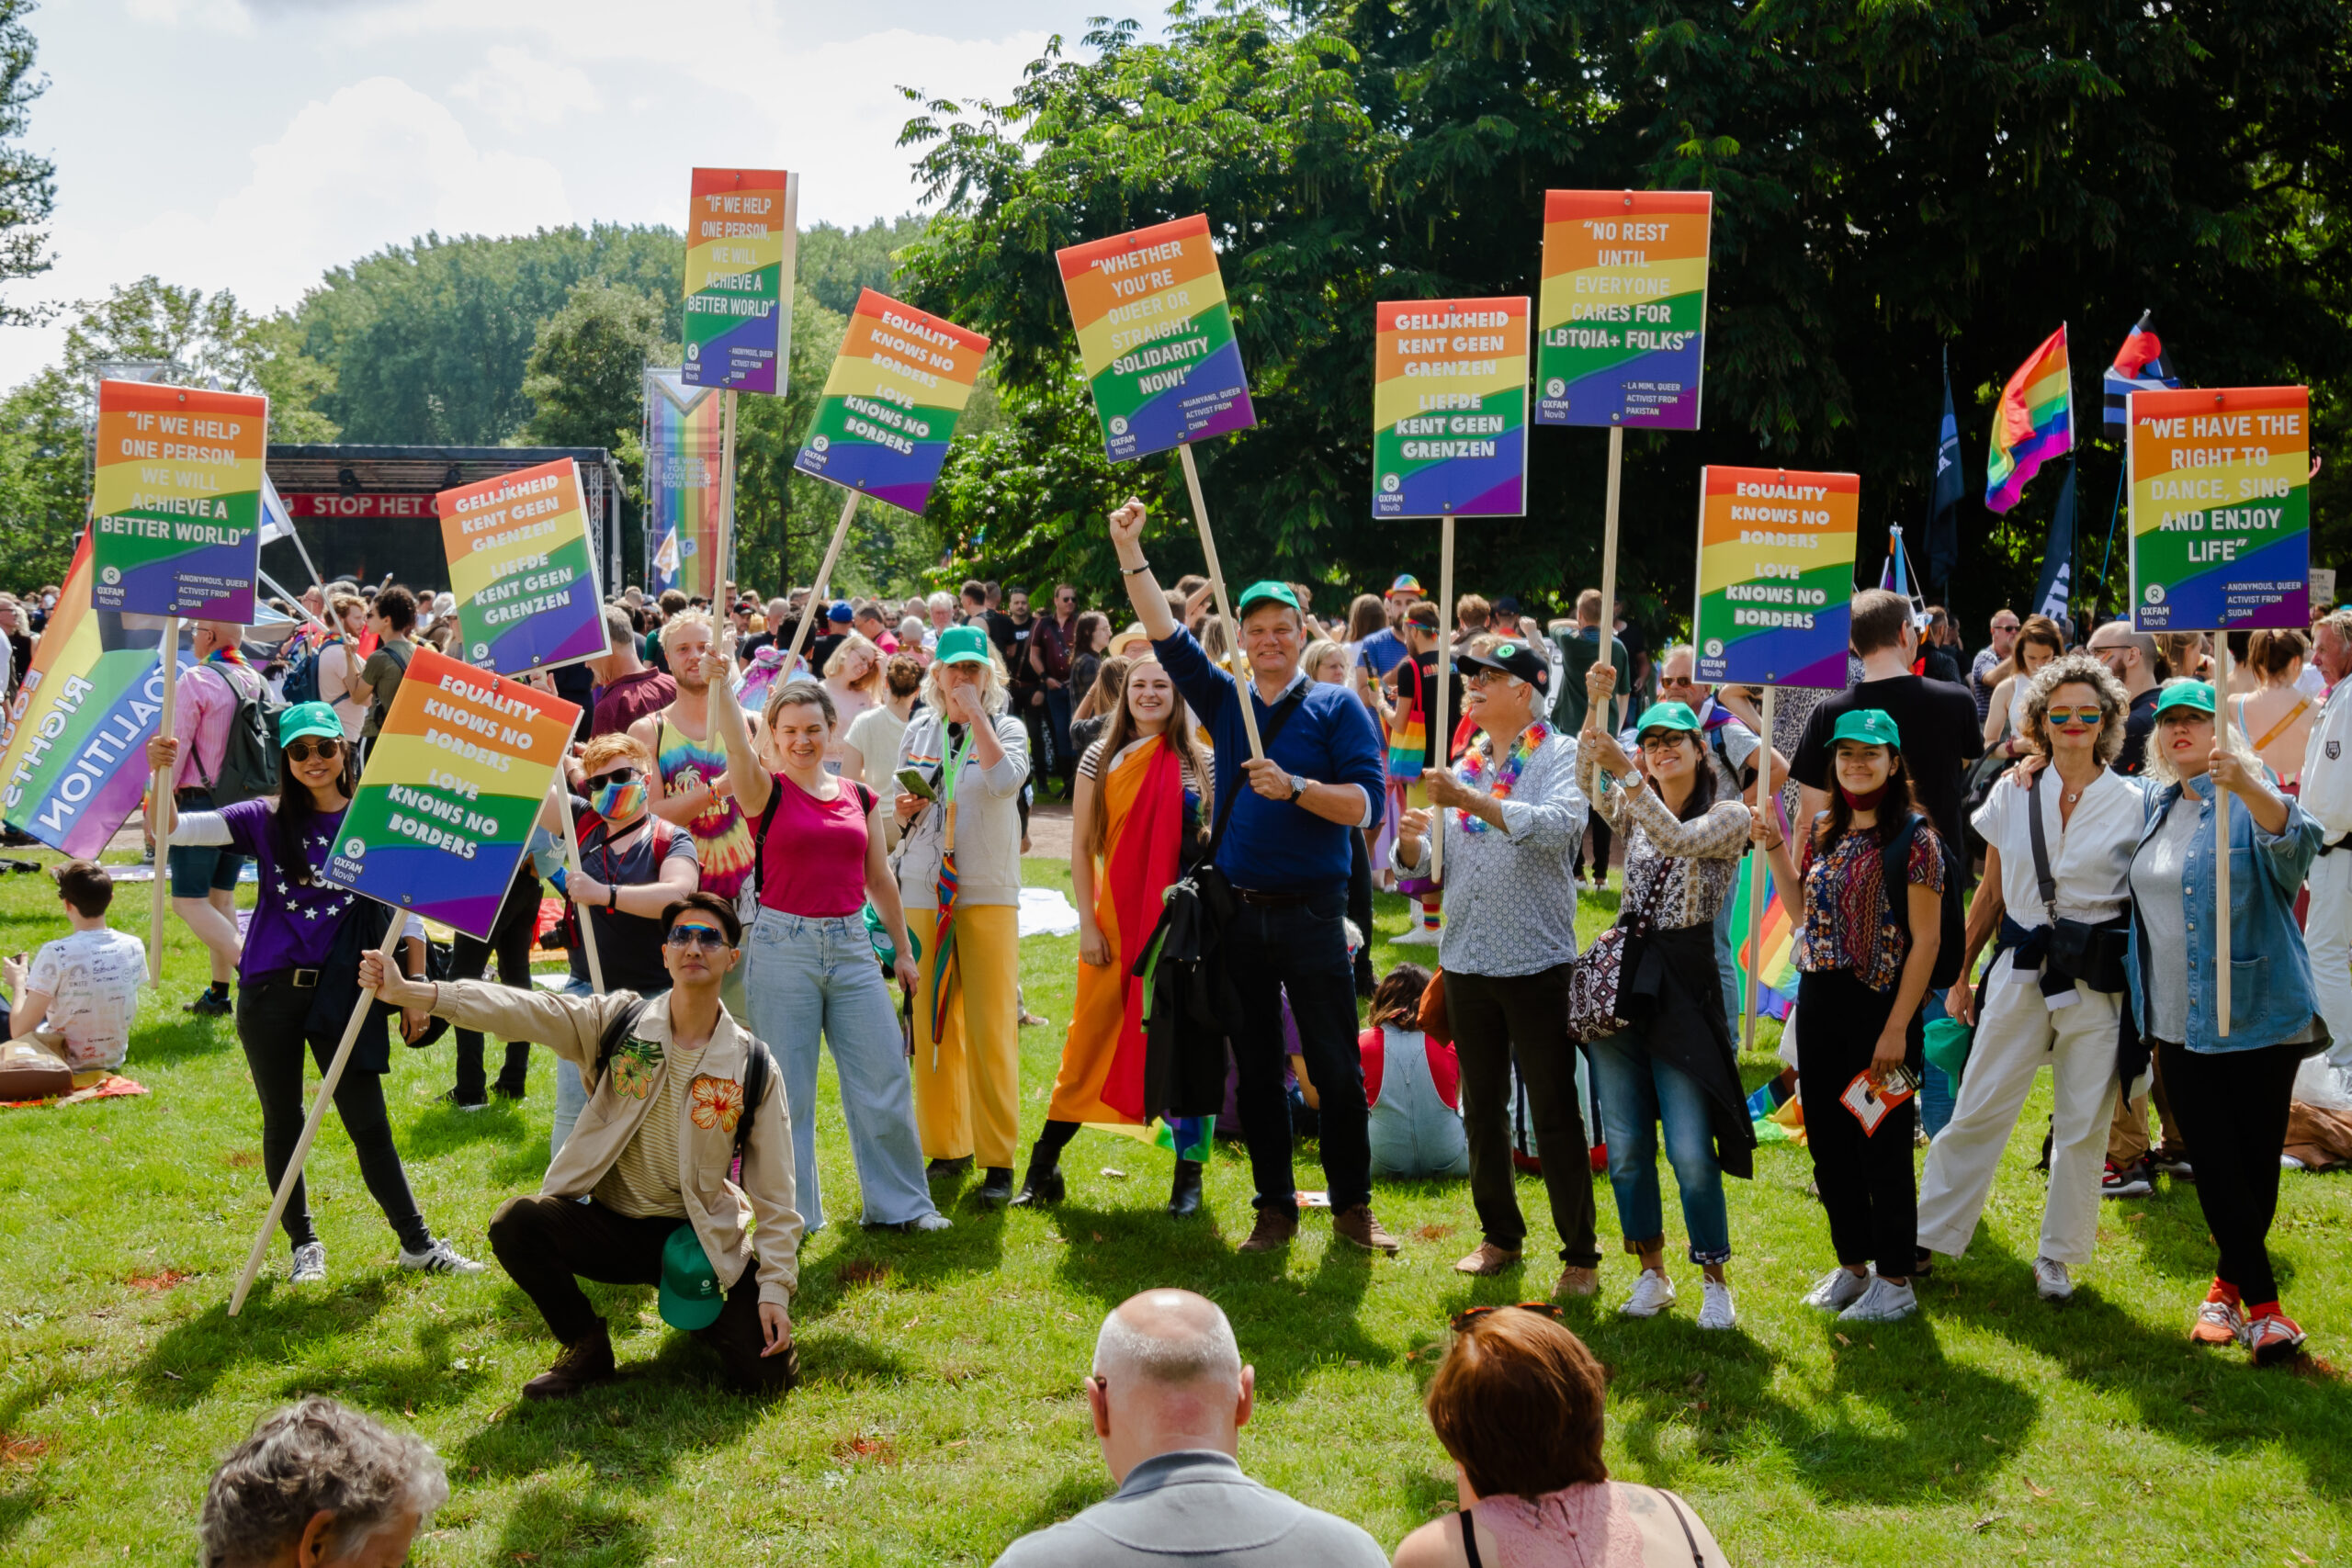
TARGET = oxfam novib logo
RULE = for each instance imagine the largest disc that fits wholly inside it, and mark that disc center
(481, 650)
(1118, 425)
(694, 353)
(1390, 484)
(1555, 388)
(354, 847)
(2156, 593)
(112, 576)
(1714, 648)
(820, 443)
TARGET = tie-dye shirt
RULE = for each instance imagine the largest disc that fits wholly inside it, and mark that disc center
(722, 839)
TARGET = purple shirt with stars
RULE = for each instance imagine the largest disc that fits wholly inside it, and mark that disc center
(293, 926)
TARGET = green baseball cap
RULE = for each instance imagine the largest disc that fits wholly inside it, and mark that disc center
(318, 719)
(2194, 694)
(1666, 716)
(1279, 593)
(690, 1296)
(962, 644)
(1871, 726)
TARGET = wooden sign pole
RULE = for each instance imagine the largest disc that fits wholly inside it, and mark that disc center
(1756, 876)
(572, 849)
(816, 604)
(1439, 736)
(160, 794)
(722, 570)
(1246, 686)
(2221, 840)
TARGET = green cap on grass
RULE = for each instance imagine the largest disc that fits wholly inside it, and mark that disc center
(690, 1296)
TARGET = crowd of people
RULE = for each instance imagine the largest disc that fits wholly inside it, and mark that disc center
(798, 825)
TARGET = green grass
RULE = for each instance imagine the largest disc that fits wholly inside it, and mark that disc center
(942, 1415)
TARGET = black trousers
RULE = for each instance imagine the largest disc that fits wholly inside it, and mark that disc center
(510, 944)
(1299, 950)
(2232, 1107)
(1867, 1181)
(1360, 911)
(270, 1024)
(547, 1245)
(1599, 851)
(1522, 1019)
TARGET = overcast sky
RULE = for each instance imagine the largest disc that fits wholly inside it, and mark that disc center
(252, 144)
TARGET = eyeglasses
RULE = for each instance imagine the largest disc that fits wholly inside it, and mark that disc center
(2075, 716)
(702, 937)
(617, 776)
(1463, 1318)
(302, 751)
(1664, 740)
(1676, 680)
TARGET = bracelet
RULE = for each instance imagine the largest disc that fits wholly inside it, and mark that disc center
(1135, 570)
(612, 896)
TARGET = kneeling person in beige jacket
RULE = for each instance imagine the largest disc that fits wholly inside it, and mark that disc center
(620, 1204)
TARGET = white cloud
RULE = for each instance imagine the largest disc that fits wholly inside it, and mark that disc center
(219, 16)
(519, 89)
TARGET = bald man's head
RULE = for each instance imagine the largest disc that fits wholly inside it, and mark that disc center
(1167, 1376)
(1171, 1337)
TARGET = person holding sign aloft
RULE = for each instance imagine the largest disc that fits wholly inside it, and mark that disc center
(298, 979)
(2232, 1086)
(1864, 954)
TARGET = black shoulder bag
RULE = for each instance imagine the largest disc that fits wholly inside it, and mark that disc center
(1952, 927)
(2076, 950)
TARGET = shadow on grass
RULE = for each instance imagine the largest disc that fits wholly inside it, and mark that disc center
(1068, 1497)
(276, 1322)
(444, 1129)
(19, 1505)
(176, 1037)
(545, 1526)
(630, 1432)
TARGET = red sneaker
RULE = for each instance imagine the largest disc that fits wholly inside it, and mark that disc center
(2219, 1321)
(2272, 1336)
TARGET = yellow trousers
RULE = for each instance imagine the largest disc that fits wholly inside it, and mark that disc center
(967, 1082)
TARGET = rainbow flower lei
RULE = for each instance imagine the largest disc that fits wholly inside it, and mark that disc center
(1479, 773)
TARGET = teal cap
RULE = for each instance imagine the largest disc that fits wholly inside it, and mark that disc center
(690, 1297)
(2194, 694)
(962, 644)
(1871, 726)
(1666, 716)
(318, 719)
(1946, 1042)
(1279, 593)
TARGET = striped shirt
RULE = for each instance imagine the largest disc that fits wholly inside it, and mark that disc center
(643, 1180)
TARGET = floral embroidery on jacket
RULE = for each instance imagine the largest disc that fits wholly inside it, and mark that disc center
(716, 1102)
(634, 1063)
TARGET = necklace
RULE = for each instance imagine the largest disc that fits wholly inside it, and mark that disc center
(1479, 771)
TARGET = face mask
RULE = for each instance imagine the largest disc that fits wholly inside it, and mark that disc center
(620, 802)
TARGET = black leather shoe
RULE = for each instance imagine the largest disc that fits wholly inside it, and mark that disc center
(997, 1189)
(946, 1169)
(1184, 1196)
(1039, 1188)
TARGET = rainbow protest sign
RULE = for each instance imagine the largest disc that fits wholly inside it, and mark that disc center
(890, 404)
(685, 444)
(1623, 307)
(2221, 508)
(523, 570)
(1155, 335)
(1449, 408)
(1775, 576)
(741, 233)
(444, 812)
(175, 502)
(73, 767)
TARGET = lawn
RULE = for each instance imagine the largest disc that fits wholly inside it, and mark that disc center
(943, 1414)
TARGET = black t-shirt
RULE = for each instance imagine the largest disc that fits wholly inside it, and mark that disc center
(2138, 724)
(1940, 664)
(1003, 632)
(1421, 687)
(821, 648)
(1940, 735)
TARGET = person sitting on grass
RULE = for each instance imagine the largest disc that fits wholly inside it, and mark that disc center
(79, 994)
(640, 1193)
(1169, 1395)
(1413, 1084)
(1519, 1402)
(319, 1483)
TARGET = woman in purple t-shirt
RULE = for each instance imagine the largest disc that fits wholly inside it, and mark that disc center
(811, 965)
(298, 980)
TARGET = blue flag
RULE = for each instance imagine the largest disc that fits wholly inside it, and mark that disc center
(2141, 366)
(1942, 542)
(2058, 561)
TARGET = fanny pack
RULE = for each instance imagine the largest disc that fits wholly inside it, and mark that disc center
(2076, 950)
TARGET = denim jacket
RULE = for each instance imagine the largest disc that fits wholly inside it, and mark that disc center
(2271, 974)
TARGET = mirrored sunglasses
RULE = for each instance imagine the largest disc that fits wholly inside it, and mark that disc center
(708, 938)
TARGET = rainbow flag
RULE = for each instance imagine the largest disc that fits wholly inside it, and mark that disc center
(72, 752)
(685, 442)
(1778, 993)
(2033, 422)
(890, 403)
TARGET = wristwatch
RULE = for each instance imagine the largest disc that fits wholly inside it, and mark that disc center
(1297, 787)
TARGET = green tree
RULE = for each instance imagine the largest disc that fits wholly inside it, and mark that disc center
(28, 181)
(836, 262)
(43, 491)
(201, 341)
(586, 374)
(1889, 181)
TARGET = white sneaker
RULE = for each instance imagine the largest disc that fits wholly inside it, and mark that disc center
(309, 1264)
(1420, 936)
(439, 1258)
(2051, 1281)
(1836, 1290)
(934, 1221)
(1882, 1302)
(1653, 1294)
(1716, 1308)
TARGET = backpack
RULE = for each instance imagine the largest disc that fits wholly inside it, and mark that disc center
(249, 758)
(302, 682)
(1951, 945)
(757, 1063)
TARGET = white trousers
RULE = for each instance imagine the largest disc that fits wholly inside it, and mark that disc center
(2016, 1035)
(2327, 937)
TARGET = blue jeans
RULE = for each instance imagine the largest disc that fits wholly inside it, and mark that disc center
(1938, 1097)
(570, 1089)
(817, 978)
(1726, 970)
(1057, 711)
(1637, 1093)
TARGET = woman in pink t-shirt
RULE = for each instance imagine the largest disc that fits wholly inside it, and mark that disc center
(811, 968)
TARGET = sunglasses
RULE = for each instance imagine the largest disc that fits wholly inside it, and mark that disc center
(302, 751)
(617, 776)
(703, 937)
(1462, 1319)
(2075, 716)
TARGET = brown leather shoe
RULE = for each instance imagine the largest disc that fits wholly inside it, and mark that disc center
(1488, 1260)
(1357, 1226)
(1575, 1282)
(587, 1361)
(1273, 1230)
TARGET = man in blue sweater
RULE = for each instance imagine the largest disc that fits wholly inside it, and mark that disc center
(1287, 852)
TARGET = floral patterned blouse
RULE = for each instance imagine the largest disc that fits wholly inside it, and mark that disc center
(1843, 897)
(1679, 871)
